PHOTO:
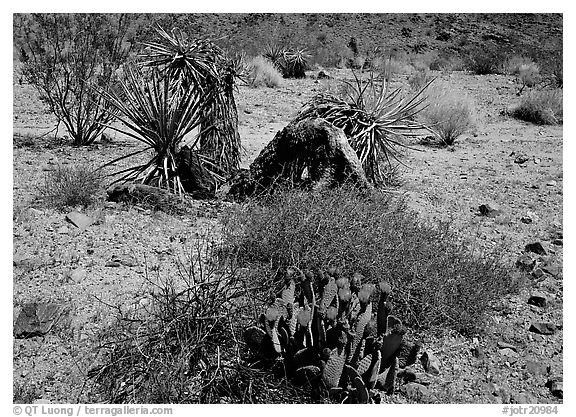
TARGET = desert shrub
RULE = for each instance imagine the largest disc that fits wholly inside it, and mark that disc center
(71, 186)
(418, 79)
(484, 62)
(540, 107)
(263, 72)
(449, 113)
(529, 74)
(64, 56)
(513, 64)
(436, 280)
(178, 344)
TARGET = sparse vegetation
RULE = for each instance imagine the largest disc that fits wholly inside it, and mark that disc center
(540, 107)
(485, 62)
(65, 56)
(263, 72)
(439, 282)
(69, 186)
(178, 343)
(448, 113)
(419, 79)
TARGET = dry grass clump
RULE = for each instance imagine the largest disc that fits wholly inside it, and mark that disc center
(439, 281)
(540, 107)
(512, 65)
(262, 72)
(449, 113)
(69, 186)
(419, 79)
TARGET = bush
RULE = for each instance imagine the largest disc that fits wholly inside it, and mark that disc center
(435, 279)
(178, 343)
(540, 107)
(64, 56)
(418, 79)
(512, 66)
(71, 186)
(483, 63)
(263, 72)
(449, 113)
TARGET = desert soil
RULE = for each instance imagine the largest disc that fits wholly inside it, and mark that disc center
(54, 262)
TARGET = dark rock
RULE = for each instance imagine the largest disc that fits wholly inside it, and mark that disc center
(536, 248)
(537, 272)
(521, 158)
(81, 221)
(489, 210)
(543, 328)
(538, 299)
(558, 242)
(551, 183)
(322, 75)
(430, 363)
(113, 264)
(478, 352)
(555, 384)
(414, 391)
(37, 319)
(525, 262)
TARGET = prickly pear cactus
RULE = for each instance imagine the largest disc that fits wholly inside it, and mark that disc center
(333, 341)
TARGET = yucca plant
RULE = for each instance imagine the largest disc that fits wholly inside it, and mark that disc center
(203, 65)
(372, 116)
(159, 116)
(295, 63)
(275, 54)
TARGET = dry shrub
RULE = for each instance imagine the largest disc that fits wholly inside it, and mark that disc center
(436, 279)
(540, 107)
(449, 113)
(512, 65)
(178, 344)
(262, 72)
(69, 186)
(529, 74)
(418, 79)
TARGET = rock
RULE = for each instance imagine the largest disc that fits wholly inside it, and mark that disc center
(504, 345)
(112, 264)
(529, 217)
(78, 275)
(525, 262)
(537, 272)
(489, 210)
(414, 391)
(558, 242)
(543, 328)
(510, 355)
(521, 158)
(41, 401)
(556, 386)
(553, 270)
(537, 160)
(111, 205)
(538, 299)
(551, 183)
(430, 363)
(81, 221)
(37, 319)
(478, 352)
(322, 75)
(525, 398)
(62, 230)
(536, 248)
(536, 368)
